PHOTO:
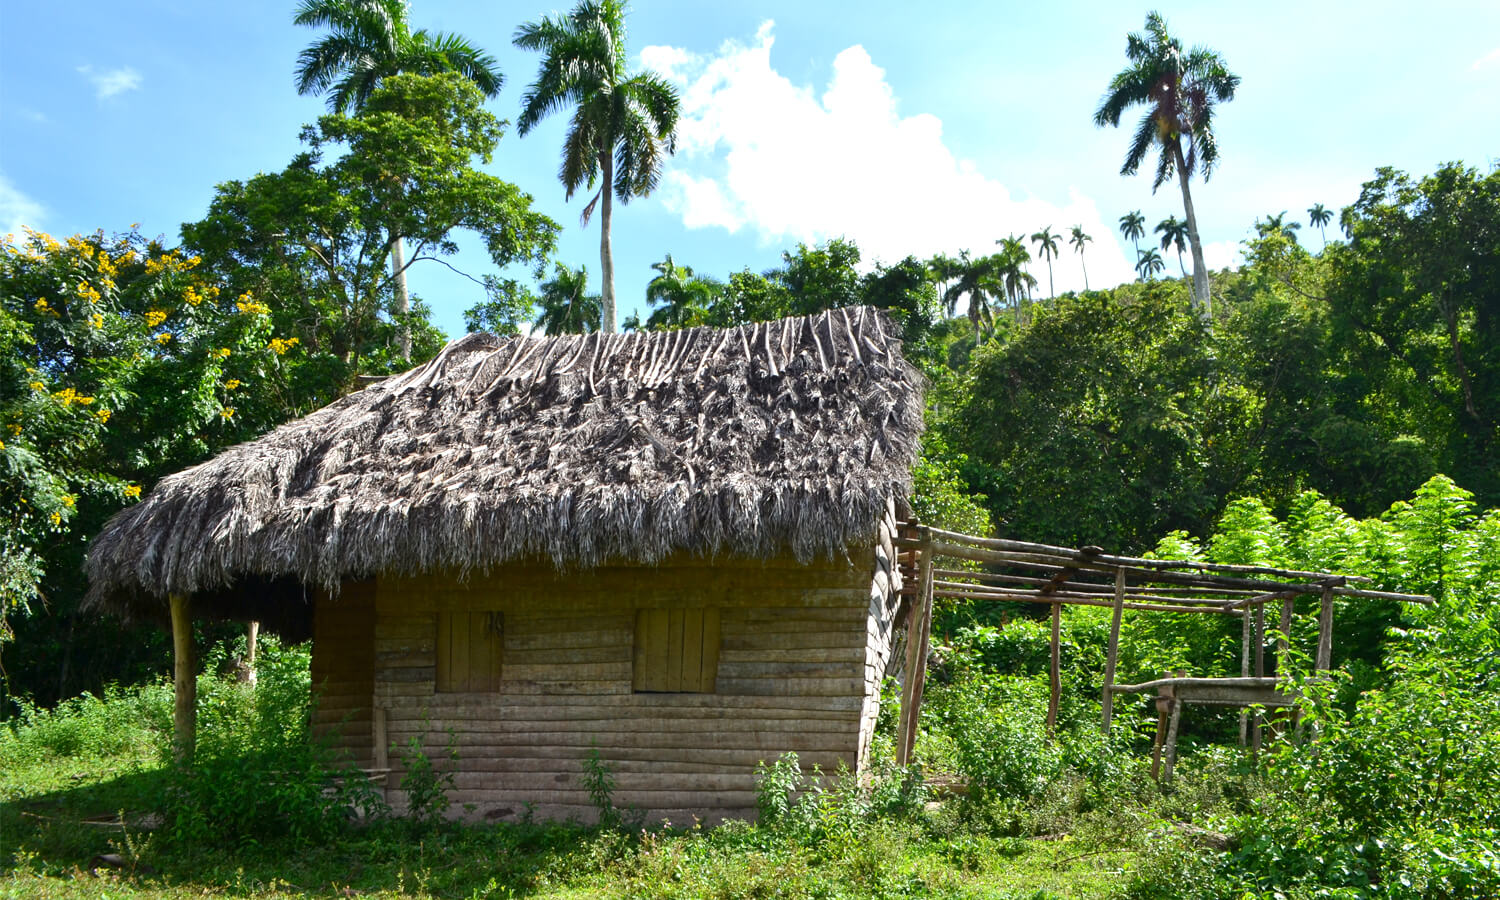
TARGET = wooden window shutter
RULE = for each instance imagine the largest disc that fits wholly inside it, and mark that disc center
(676, 650)
(469, 647)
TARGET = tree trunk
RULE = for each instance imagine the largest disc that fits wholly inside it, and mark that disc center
(403, 302)
(606, 255)
(1201, 301)
(1085, 271)
(1051, 288)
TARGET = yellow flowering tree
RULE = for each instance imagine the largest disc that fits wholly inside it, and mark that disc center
(120, 361)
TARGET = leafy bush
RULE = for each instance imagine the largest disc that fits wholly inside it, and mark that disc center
(87, 725)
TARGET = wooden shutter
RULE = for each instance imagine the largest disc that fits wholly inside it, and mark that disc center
(469, 647)
(676, 650)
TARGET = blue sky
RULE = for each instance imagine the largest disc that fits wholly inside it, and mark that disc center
(911, 128)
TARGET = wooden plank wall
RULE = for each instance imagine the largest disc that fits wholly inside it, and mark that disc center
(797, 659)
(343, 665)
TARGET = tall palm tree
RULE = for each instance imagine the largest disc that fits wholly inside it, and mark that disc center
(977, 279)
(680, 296)
(1046, 245)
(1078, 240)
(567, 306)
(369, 41)
(1133, 228)
(623, 127)
(1179, 90)
(1011, 265)
(1148, 263)
(1278, 224)
(1319, 216)
(1173, 233)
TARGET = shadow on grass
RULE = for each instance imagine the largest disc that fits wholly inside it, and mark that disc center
(58, 833)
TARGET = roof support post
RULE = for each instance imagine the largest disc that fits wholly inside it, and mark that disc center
(918, 635)
(1112, 655)
(184, 681)
(1054, 670)
(1260, 672)
(1325, 630)
(1244, 670)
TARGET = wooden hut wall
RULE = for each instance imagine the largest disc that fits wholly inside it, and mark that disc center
(343, 666)
(885, 597)
(797, 659)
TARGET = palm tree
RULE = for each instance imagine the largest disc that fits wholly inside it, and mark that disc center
(1046, 244)
(1278, 224)
(567, 306)
(1011, 267)
(977, 279)
(1319, 217)
(624, 125)
(1078, 240)
(369, 41)
(1133, 227)
(681, 296)
(1179, 90)
(1148, 263)
(1173, 233)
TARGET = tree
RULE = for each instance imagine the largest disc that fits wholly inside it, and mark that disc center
(1319, 216)
(1012, 268)
(567, 306)
(1179, 91)
(1046, 243)
(1149, 263)
(312, 242)
(1173, 233)
(1133, 227)
(681, 297)
(977, 279)
(623, 127)
(1278, 224)
(370, 41)
(1078, 240)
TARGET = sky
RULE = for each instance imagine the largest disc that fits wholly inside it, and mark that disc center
(910, 129)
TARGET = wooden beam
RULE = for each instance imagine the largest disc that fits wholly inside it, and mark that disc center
(1325, 631)
(971, 592)
(1112, 653)
(1170, 751)
(918, 635)
(184, 681)
(1244, 673)
(1054, 672)
(1260, 672)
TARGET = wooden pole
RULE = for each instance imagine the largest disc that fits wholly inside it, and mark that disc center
(918, 635)
(1284, 641)
(1244, 673)
(1325, 631)
(184, 681)
(1170, 751)
(1112, 655)
(1260, 671)
(1054, 671)
(252, 637)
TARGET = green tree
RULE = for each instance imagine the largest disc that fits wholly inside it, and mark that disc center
(1046, 244)
(977, 279)
(567, 306)
(1133, 228)
(1179, 90)
(312, 241)
(1173, 233)
(1079, 240)
(680, 297)
(1149, 263)
(623, 127)
(370, 41)
(1278, 224)
(1012, 268)
(821, 277)
(1318, 216)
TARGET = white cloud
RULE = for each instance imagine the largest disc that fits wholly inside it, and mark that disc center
(1219, 255)
(17, 209)
(1489, 59)
(115, 81)
(758, 152)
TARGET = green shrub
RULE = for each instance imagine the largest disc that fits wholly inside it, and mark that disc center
(87, 726)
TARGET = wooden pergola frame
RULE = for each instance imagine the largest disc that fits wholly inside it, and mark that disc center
(1061, 576)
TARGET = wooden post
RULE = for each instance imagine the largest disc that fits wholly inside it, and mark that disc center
(380, 756)
(1284, 642)
(1054, 670)
(252, 637)
(1170, 751)
(184, 681)
(1325, 631)
(918, 634)
(1112, 655)
(1244, 669)
(1260, 671)
(1163, 708)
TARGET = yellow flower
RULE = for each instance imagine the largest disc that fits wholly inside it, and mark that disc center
(155, 317)
(38, 386)
(97, 320)
(192, 261)
(132, 490)
(231, 384)
(84, 401)
(282, 346)
(227, 412)
(57, 518)
(68, 500)
(15, 429)
(164, 337)
(66, 396)
(2, 445)
(102, 415)
(191, 295)
(222, 353)
(249, 305)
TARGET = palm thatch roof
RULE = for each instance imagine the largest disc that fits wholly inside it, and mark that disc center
(791, 435)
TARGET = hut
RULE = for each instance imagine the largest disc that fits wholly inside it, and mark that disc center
(672, 549)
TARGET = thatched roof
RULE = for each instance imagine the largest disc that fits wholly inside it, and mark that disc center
(780, 436)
